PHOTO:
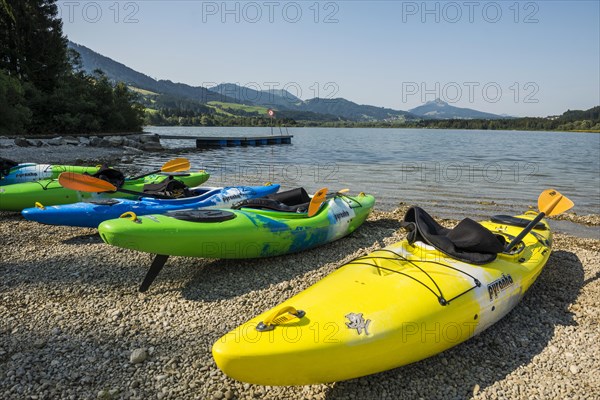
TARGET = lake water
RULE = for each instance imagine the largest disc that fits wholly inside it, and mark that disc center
(452, 173)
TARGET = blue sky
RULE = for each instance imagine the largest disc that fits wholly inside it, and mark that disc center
(533, 58)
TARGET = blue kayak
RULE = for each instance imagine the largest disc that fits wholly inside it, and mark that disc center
(91, 214)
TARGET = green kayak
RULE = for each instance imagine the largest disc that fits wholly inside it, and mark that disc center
(30, 172)
(266, 227)
(48, 192)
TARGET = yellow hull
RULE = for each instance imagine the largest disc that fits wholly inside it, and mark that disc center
(364, 319)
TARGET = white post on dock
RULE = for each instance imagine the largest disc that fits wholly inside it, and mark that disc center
(271, 113)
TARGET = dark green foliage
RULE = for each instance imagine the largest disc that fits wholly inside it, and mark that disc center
(184, 107)
(569, 121)
(169, 117)
(42, 86)
(350, 111)
(174, 117)
(14, 114)
(83, 103)
(32, 45)
(592, 114)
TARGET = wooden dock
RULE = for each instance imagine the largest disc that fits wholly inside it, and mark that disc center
(231, 141)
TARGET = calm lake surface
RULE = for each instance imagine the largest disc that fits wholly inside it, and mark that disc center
(451, 173)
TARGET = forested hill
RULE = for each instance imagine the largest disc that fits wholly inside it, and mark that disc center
(576, 120)
(578, 115)
(119, 72)
(439, 109)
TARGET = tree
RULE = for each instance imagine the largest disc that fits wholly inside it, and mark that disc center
(14, 114)
(32, 44)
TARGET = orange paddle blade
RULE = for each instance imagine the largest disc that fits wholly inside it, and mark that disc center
(551, 202)
(176, 165)
(84, 183)
(316, 201)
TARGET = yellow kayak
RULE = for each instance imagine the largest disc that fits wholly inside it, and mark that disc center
(393, 307)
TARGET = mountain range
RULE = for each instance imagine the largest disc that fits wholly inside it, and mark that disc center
(438, 109)
(229, 96)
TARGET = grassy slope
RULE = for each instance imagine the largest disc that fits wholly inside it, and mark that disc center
(142, 91)
(222, 108)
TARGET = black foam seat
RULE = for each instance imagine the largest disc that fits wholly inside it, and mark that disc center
(110, 175)
(291, 197)
(168, 187)
(468, 241)
(295, 200)
(202, 215)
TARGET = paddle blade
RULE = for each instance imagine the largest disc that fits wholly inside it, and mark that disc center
(176, 165)
(316, 201)
(84, 183)
(551, 202)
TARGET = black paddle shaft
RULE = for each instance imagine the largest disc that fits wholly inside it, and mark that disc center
(155, 268)
(146, 174)
(524, 232)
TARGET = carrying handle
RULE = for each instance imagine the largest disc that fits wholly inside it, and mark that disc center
(130, 215)
(278, 317)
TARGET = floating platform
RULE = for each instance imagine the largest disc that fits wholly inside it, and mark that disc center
(231, 141)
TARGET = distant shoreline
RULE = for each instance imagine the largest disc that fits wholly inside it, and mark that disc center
(50, 136)
(69, 135)
(375, 127)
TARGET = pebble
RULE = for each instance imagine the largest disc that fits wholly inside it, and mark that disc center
(84, 331)
(574, 369)
(138, 356)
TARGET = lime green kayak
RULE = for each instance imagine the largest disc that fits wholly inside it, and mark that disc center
(48, 192)
(260, 228)
(30, 172)
(243, 233)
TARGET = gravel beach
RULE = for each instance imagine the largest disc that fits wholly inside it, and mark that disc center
(73, 325)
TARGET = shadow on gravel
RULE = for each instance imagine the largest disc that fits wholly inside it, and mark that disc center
(84, 239)
(11, 216)
(224, 279)
(591, 279)
(490, 356)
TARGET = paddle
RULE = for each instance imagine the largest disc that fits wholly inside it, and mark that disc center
(319, 197)
(550, 202)
(175, 165)
(157, 265)
(88, 183)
